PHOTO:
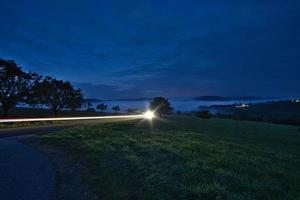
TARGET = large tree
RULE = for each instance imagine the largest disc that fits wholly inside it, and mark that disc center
(15, 84)
(161, 106)
(75, 99)
(56, 94)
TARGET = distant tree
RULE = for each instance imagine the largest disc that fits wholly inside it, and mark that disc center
(55, 94)
(90, 107)
(236, 117)
(15, 84)
(204, 115)
(116, 109)
(267, 119)
(102, 107)
(178, 112)
(161, 106)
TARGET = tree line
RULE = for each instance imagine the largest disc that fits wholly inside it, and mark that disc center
(18, 86)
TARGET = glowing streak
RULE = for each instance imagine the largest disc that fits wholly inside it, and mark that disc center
(72, 118)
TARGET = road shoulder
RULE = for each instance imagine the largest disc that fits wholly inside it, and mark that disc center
(68, 184)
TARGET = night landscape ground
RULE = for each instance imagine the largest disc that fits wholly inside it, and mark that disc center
(179, 157)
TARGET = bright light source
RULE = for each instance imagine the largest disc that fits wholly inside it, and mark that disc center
(149, 114)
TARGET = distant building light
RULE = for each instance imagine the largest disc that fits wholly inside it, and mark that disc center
(242, 106)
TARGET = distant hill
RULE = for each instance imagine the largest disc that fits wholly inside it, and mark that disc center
(134, 99)
(221, 98)
(284, 111)
(92, 100)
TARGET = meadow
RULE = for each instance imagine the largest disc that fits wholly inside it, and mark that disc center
(179, 157)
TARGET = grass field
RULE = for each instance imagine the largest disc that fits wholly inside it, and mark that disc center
(18, 112)
(180, 158)
(31, 124)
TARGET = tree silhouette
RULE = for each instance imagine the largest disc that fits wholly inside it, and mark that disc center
(204, 115)
(267, 119)
(161, 106)
(102, 107)
(55, 94)
(75, 99)
(15, 84)
(90, 107)
(116, 109)
(236, 117)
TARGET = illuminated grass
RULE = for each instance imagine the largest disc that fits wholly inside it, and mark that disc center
(31, 124)
(180, 159)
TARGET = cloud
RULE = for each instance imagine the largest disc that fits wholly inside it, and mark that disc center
(148, 48)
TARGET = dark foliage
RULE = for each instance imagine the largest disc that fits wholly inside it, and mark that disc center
(204, 115)
(102, 107)
(116, 109)
(55, 94)
(15, 84)
(75, 100)
(161, 106)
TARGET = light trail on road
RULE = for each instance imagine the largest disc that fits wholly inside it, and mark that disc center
(141, 116)
(149, 115)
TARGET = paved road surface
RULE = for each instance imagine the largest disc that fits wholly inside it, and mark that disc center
(25, 173)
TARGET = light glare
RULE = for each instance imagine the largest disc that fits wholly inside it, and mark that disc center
(149, 115)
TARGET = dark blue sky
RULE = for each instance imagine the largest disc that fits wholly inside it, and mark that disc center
(128, 49)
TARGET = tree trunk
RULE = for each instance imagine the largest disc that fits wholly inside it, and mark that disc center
(5, 112)
(5, 108)
(55, 111)
(203, 125)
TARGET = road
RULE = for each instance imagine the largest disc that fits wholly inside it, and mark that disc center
(26, 173)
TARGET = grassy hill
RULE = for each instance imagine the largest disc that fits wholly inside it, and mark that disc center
(180, 158)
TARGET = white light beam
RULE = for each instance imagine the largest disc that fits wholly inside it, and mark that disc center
(72, 118)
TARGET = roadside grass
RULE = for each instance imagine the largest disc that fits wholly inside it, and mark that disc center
(18, 112)
(31, 124)
(180, 158)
